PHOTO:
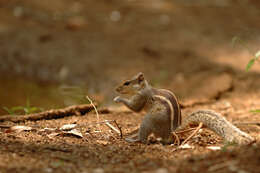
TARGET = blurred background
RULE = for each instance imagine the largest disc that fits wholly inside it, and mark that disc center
(54, 52)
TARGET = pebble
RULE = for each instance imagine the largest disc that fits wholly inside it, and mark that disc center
(48, 170)
(98, 170)
(115, 16)
(161, 170)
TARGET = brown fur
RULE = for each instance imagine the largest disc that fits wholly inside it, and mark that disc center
(164, 113)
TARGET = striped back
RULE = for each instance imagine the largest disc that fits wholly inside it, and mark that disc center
(174, 108)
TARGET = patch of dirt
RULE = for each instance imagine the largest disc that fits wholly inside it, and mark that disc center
(102, 149)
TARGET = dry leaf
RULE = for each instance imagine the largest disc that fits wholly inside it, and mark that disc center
(53, 135)
(73, 132)
(68, 127)
(19, 129)
(46, 129)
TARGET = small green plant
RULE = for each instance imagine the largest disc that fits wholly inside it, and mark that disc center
(27, 109)
(255, 56)
(12, 110)
(255, 111)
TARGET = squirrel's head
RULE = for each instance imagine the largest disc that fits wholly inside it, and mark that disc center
(137, 83)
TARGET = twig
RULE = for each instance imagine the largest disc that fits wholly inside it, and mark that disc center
(95, 111)
(107, 122)
(195, 131)
(101, 122)
(187, 130)
(112, 127)
(51, 114)
(176, 138)
(120, 129)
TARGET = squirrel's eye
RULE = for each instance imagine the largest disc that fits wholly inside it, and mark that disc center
(126, 83)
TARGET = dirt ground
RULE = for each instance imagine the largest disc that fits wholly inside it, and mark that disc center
(105, 151)
(183, 46)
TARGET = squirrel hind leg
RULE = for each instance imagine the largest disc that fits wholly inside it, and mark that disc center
(165, 134)
(146, 128)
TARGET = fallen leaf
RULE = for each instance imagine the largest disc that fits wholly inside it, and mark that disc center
(53, 135)
(73, 132)
(68, 127)
(19, 129)
(48, 129)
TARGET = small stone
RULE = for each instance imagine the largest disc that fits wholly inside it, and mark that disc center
(165, 19)
(18, 11)
(242, 171)
(115, 16)
(98, 170)
(48, 170)
(161, 170)
(232, 168)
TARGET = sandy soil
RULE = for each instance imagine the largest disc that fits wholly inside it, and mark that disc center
(105, 151)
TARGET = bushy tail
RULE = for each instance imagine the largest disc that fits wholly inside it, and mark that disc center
(217, 123)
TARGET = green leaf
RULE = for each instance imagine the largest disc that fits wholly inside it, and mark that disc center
(34, 109)
(255, 111)
(8, 110)
(17, 108)
(250, 63)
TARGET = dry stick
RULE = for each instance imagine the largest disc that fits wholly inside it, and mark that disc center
(112, 127)
(197, 129)
(95, 111)
(120, 129)
(51, 114)
(176, 138)
(109, 125)
(187, 130)
(101, 122)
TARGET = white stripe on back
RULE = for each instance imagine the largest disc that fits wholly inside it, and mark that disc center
(170, 106)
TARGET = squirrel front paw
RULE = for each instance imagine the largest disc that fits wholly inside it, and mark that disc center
(117, 99)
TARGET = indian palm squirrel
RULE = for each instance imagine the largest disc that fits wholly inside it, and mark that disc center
(164, 113)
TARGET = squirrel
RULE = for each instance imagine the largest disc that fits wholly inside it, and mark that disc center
(164, 113)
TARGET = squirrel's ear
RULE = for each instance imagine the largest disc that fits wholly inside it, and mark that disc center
(140, 77)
